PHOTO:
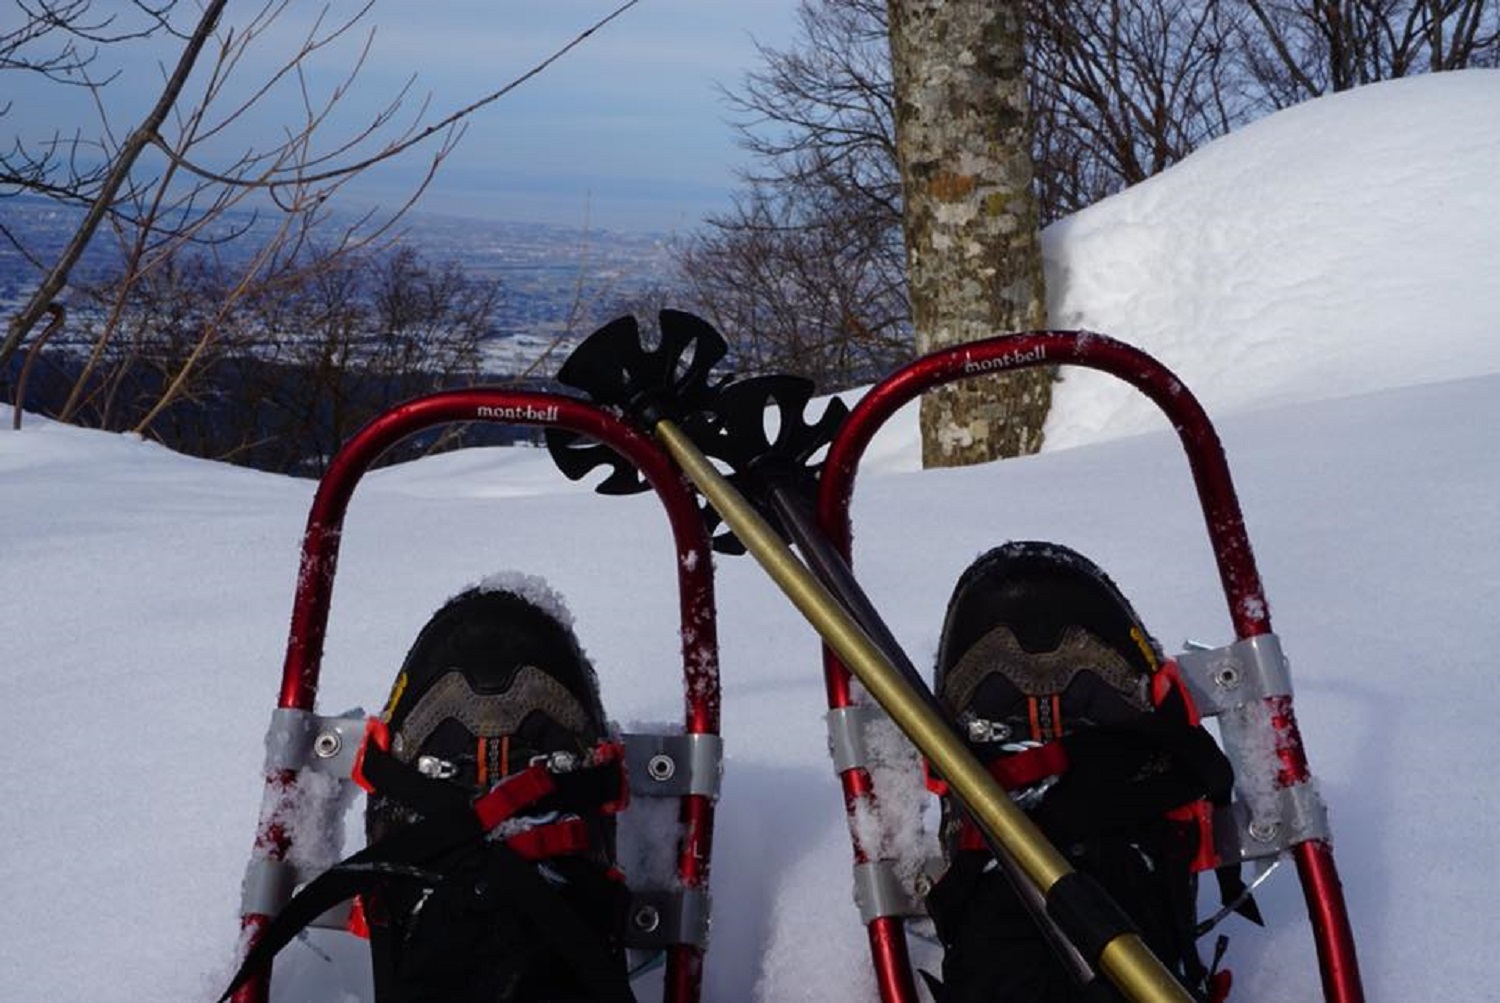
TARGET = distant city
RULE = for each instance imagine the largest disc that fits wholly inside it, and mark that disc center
(551, 277)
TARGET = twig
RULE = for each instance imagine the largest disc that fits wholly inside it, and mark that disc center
(19, 400)
(118, 174)
(394, 149)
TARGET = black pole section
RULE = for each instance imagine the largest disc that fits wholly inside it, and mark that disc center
(828, 564)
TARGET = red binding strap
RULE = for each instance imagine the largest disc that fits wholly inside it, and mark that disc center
(555, 839)
(1014, 770)
(970, 838)
(358, 923)
(1022, 769)
(512, 794)
(934, 783)
(614, 752)
(1200, 814)
(1167, 679)
(376, 731)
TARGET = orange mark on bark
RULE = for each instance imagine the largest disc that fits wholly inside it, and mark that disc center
(947, 187)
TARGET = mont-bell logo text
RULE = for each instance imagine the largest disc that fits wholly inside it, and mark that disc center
(524, 413)
(1009, 360)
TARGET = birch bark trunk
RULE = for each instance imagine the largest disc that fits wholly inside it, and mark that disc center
(974, 258)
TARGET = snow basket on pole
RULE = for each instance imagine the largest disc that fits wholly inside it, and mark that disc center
(301, 744)
(1246, 683)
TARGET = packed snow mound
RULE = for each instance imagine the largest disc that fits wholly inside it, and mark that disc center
(1309, 255)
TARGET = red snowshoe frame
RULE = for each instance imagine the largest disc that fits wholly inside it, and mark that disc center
(683, 766)
(686, 766)
(1253, 667)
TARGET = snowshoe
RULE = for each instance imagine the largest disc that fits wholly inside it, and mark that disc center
(1049, 672)
(489, 868)
(427, 824)
(1245, 685)
(1098, 768)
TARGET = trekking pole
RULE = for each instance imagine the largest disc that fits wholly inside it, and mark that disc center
(1079, 907)
(668, 386)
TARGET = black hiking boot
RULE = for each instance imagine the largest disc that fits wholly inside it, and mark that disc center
(494, 686)
(1049, 672)
(488, 874)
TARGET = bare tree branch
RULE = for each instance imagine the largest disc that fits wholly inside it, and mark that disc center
(445, 124)
(113, 181)
(175, 209)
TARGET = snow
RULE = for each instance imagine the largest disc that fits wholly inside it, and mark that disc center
(1314, 250)
(1324, 281)
(534, 589)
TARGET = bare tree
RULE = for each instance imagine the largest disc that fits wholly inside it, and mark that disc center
(828, 104)
(59, 41)
(1123, 89)
(155, 190)
(1128, 89)
(820, 294)
(300, 360)
(806, 272)
(112, 179)
(1119, 89)
(1298, 49)
(379, 328)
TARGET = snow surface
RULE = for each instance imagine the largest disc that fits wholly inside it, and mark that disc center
(1325, 280)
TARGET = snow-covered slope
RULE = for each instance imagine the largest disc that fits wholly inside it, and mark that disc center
(1337, 248)
(149, 594)
(145, 628)
(1345, 245)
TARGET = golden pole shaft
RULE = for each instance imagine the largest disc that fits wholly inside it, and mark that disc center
(1126, 960)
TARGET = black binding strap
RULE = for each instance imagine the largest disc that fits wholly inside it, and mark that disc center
(450, 821)
(574, 940)
(402, 854)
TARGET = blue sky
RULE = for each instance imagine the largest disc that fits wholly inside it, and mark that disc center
(626, 131)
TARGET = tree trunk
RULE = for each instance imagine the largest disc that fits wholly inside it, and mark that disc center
(974, 259)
